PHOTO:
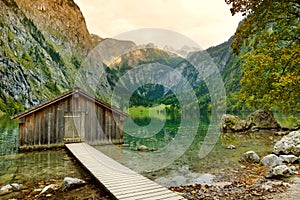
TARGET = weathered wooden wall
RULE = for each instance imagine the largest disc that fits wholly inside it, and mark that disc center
(73, 119)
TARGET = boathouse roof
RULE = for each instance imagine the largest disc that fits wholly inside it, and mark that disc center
(65, 95)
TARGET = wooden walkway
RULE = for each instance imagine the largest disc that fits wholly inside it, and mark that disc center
(120, 181)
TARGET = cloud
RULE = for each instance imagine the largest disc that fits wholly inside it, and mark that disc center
(207, 22)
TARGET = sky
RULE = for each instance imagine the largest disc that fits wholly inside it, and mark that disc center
(205, 22)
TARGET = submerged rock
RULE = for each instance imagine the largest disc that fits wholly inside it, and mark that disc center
(71, 183)
(163, 181)
(49, 189)
(230, 147)
(261, 119)
(10, 188)
(16, 186)
(250, 156)
(271, 160)
(6, 189)
(178, 180)
(281, 171)
(289, 144)
(142, 148)
(233, 123)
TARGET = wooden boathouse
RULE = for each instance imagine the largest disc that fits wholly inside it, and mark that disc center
(74, 116)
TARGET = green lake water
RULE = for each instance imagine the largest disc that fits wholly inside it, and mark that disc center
(173, 158)
(182, 163)
(35, 170)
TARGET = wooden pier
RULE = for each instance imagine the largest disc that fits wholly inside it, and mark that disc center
(120, 181)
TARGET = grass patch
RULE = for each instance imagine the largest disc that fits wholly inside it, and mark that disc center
(146, 112)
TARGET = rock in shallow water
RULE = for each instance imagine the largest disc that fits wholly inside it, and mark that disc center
(71, 183)
(6, 189)
(10, 188)
(142, 148)
(262, 120)
(179, 180)
(271, 160)
(163, 181)
(250, 156)
(233, 123)
(49, 188)
(230, 147)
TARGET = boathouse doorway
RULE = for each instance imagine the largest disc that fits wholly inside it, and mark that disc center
(74, 127)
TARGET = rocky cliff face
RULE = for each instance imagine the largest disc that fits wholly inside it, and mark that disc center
(43, 45)
(60, 21)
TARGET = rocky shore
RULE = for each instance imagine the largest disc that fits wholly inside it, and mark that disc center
(274, 176)
(49, 174)
(69, 188)
(249, 182)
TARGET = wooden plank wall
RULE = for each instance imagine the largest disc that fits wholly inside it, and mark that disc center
(46, 127)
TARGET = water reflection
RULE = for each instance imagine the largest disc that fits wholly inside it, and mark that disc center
(188, 168)
(9, 134)
(31, 168)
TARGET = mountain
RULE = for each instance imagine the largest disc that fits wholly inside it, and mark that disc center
(183, 51)
(43, 45)
(222, 55)
(46, 49)
(229, 66)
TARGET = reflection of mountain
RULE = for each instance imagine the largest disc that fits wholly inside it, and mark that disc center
(8, 135)
(45, 49)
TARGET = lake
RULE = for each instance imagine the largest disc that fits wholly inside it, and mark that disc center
(174, 156)
(177, 158)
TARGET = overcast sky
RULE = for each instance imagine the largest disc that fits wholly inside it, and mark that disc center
(207, 22)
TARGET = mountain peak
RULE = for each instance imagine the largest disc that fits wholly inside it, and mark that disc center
(60, 20)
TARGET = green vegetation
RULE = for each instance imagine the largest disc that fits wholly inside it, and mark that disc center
(10, 3)
(75, 62)
(10, 105)
(145, 112)
(52, 86)
(2, 23)
(39, 37)
(268, 43)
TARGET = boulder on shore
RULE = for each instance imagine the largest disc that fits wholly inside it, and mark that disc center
(262, 119)
(281, 171)
(271, 160)
(289, 158)
(259, 119)
(250, 156)
(233, 123)
(289, 144)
